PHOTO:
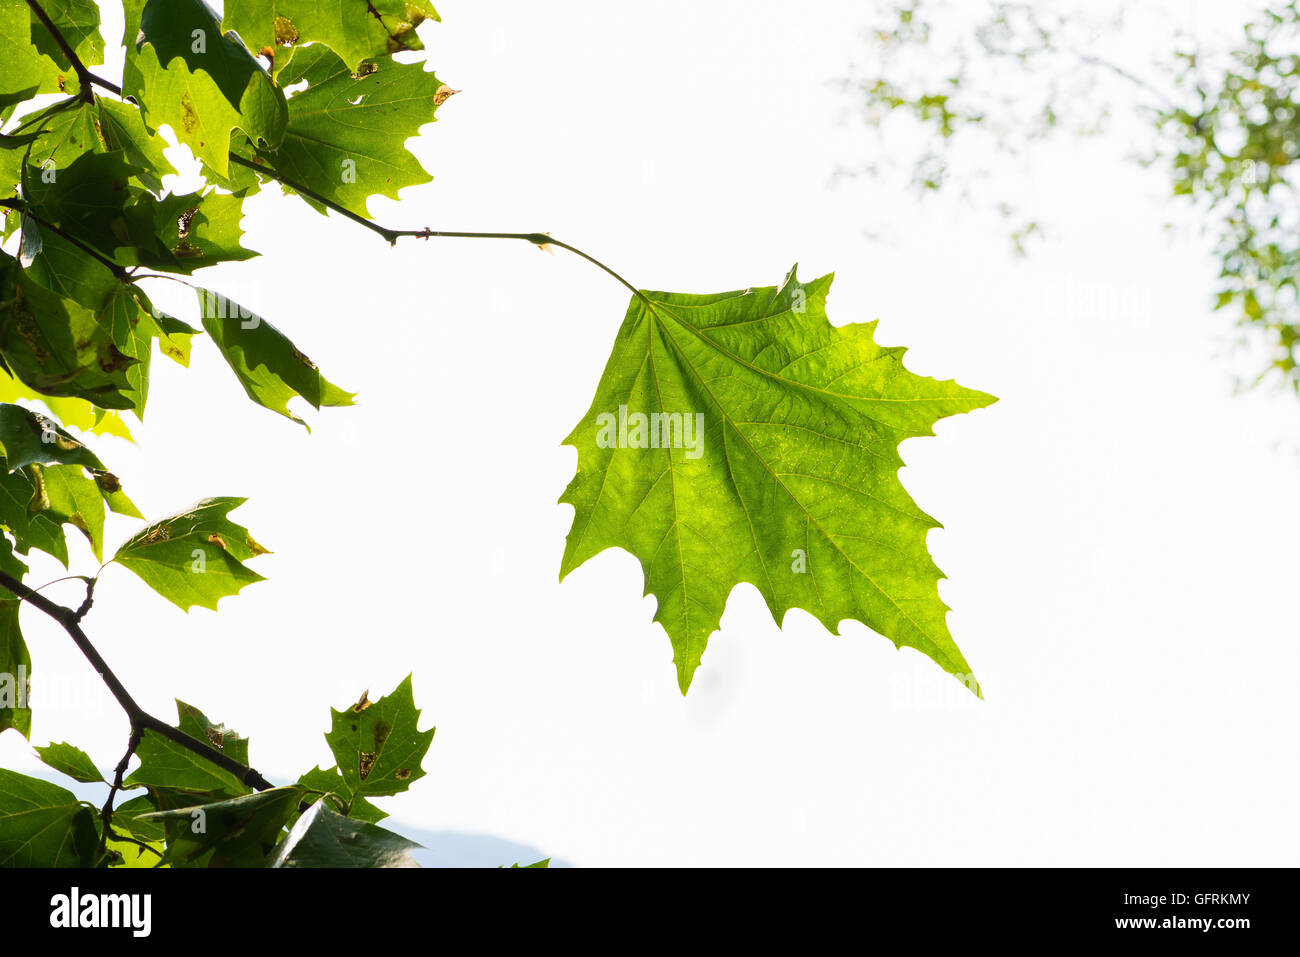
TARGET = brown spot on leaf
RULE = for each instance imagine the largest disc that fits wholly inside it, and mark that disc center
(286, 34)
(185, 221)
(381, 734)
(189, 116)
(111, 359)
(363, 702)
(187, 250)
(366, 764)
(160, 534)
(402, 774)
(108, 482)
(28, 328)
(217, 540)
(443, 94)
(216, 737)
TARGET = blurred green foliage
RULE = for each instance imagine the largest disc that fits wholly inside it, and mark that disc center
(983, 82)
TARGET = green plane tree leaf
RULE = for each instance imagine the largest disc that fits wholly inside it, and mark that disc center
(72, 761)
(324, 838)
(271, 369)
(347, 131)
(235, 832)
(195, 557)
(378, 744)
(167, 767)
(740, 437)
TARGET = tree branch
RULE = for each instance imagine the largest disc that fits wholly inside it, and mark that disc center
(118, 271)
(140, 719)
(89, 80)
(391, 236)
(106, 812)
(1089, 59)
(84, 77)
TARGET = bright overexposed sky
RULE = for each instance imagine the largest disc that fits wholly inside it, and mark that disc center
(1119, 530)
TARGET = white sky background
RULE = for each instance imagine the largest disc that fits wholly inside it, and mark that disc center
(1119, 529)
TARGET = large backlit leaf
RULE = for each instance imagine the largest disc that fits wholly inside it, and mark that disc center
(772, 458)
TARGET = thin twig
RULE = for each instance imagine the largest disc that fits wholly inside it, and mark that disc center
(98, 80)
(89, 80)
(140, 719)
(391, 236)
(86, 93)
(113, 267)
(106, 812)
(1089, 59)
(89, 600)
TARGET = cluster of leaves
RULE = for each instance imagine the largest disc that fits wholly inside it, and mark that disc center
(194, 814)
(50, 481)
(961, 80)
(83, 173)
(1231, 146)
(1223, 123)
